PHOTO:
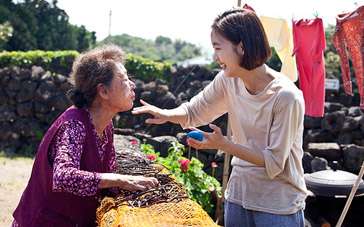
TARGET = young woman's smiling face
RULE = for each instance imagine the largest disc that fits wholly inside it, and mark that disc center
(226, 54)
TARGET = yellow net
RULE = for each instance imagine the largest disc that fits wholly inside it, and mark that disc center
(183, 213)
(167, 205)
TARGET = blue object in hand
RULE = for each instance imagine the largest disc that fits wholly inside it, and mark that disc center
(197, 135)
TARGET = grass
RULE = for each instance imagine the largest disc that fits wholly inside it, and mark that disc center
(15, 171)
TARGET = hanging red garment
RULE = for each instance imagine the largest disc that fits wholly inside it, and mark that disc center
(246, 6)
(309, 45)
(349, 38)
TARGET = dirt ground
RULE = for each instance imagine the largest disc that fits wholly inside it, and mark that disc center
(14, 175)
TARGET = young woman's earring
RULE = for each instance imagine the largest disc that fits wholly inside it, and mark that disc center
(241, 49)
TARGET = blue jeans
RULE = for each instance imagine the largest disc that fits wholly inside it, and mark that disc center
(237, 216)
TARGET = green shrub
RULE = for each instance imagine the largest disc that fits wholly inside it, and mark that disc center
(198, 184)
(61, 62)
(54, 61)
(146, 69)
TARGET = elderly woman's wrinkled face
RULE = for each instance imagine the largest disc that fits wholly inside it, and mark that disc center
(121, 90)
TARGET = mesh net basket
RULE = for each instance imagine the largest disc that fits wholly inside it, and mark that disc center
(167, 205)
(183, 213)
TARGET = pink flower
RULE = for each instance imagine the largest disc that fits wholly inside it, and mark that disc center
(134, 142)
(151, 157)
(213, 164)
(184, 164)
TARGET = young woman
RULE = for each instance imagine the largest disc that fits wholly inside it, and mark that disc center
(266, 112)
(76, 158)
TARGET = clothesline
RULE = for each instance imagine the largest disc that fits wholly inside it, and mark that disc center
(310, 9)
(300, 45)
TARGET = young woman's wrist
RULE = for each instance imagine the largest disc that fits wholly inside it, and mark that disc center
(225, 145)
(176, 115)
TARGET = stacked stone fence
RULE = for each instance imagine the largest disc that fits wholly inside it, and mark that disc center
(30, 99)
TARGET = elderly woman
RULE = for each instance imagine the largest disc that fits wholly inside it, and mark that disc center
(76, 158)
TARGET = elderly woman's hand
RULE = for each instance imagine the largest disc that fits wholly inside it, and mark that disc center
(137, 183)
(127, 182)
(213, 140)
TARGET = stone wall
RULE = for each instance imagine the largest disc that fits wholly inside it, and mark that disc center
(31, 99)
(338, 136)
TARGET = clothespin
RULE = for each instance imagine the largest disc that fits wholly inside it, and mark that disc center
(293, 17)
(315, 14)
(248, 7)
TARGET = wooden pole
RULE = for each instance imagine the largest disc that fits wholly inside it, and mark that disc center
(219, 212)
(226, 161)
(351, 196)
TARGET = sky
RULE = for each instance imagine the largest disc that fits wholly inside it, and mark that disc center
(188, 20)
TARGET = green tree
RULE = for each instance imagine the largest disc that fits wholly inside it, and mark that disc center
(162, 40)
(21, 36)
(6, 32)
(332, 59)
(274, 62)
(329, 32)
(85, 38)
(161, 49)
(39, 24)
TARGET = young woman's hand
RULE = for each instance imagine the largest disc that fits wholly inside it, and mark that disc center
(213, 140)
(160, 117)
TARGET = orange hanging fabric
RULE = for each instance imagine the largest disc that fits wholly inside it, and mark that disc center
(349, 38)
